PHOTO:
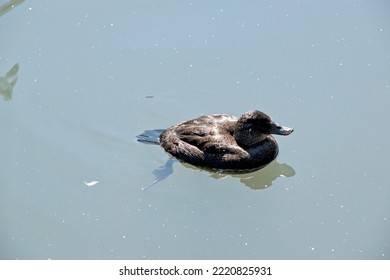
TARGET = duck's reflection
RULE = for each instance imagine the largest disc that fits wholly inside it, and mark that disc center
(262, 178)
(258, 180)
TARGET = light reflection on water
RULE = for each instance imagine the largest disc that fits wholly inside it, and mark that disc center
(95, 78)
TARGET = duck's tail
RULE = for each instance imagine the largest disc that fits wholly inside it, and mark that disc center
(150, 136)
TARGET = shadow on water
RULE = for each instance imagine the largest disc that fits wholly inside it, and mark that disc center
(161, 173)
(8, 81)
(8, 6)
(257, 180)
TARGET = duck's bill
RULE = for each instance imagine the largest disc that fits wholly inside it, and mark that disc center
(282, 130)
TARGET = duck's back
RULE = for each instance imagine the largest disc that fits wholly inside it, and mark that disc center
(208, 142)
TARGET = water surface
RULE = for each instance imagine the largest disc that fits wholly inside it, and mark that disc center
(91, 76)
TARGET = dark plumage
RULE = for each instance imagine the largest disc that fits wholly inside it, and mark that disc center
(222, 142)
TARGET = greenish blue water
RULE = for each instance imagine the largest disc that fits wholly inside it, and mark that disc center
(91, 76)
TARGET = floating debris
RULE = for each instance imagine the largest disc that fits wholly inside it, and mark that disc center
(91, 184)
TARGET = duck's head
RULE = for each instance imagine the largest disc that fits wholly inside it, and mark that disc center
(254, 126)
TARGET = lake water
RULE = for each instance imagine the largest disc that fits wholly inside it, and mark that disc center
(81, 79)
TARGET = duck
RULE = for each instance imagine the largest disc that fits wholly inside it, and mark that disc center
(221, 142)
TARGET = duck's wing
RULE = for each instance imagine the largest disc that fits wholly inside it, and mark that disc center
(207, 138)
(181, 144)
(205, 147)
(209, 141)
